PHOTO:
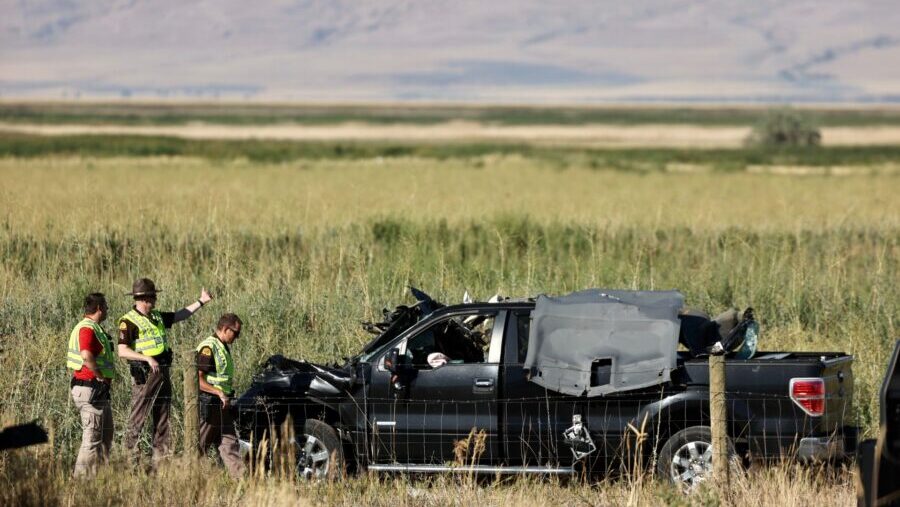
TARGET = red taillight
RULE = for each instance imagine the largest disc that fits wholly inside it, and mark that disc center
(809, 394)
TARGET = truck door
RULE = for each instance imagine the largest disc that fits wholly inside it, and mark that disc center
(448, 385)
(535, 418)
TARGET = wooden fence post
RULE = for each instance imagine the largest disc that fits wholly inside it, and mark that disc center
(718, 418)
(191, 415)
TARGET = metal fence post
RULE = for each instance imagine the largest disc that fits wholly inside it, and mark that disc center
(718, 418)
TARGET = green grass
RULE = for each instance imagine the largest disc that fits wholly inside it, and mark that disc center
(270, 151)
(237, 114)
(305, 254)
(304, 250)
(303, 297)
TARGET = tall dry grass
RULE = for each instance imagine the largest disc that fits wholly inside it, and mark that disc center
(303, 251)
(47, 197)
(31, 477)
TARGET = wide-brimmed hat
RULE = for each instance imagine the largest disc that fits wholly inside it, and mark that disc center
(143, 287)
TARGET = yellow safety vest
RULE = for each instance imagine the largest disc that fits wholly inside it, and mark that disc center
(105, 360)
(222, 379)
(151, 339)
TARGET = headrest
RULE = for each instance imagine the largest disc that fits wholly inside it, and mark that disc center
(727, 321)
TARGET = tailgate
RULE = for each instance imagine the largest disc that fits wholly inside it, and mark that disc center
(838, 376)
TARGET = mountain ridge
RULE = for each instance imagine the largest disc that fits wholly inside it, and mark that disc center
(521, 51)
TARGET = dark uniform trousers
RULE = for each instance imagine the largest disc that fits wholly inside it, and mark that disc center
(152, 398)
(217, 428)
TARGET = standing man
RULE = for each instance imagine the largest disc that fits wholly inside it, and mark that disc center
(90, 356)
(215, 369)
(143, 341)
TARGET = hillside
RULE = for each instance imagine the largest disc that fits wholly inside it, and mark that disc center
(504, 51)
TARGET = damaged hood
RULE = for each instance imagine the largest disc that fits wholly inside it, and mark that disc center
(292, 376)
(597, 341)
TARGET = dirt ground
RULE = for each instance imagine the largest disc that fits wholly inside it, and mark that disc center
(676, 136)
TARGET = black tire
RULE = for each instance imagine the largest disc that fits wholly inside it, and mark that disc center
(320, 454)
(686, 457)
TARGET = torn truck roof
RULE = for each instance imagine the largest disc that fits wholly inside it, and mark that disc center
(597, 341)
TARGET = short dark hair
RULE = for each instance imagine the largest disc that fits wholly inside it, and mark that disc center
(93, 302)
(228, 320)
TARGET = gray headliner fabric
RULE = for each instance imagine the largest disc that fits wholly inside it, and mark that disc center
(637, 330)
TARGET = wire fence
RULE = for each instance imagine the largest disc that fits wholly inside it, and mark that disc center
(518, 424)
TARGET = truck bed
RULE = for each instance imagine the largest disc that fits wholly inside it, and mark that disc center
(759, 390)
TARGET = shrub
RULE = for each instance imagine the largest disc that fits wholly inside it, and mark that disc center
(785, 127)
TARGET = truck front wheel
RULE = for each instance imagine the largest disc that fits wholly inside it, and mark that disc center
(686, 457)
(320, 454)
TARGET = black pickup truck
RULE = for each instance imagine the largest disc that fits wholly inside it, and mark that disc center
(403, 405)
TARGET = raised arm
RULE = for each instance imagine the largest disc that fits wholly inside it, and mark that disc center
(190, 309)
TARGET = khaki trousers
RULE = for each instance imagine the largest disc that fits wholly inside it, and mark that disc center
(153, 399)
(217, 428)
(97, 431)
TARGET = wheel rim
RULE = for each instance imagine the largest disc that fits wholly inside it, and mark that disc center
(313, 457)
(691, 464)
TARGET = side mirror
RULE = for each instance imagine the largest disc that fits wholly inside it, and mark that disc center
(392, 360)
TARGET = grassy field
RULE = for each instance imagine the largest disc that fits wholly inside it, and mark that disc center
(862, 159)
(125, 113)
(307, 240)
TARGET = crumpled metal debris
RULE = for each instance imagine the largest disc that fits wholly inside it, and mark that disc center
(579, 439)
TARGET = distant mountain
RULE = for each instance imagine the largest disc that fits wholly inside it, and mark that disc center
(499, 51)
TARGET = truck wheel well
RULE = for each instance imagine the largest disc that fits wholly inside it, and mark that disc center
(318, 412)
(677, 418)
(673, 419)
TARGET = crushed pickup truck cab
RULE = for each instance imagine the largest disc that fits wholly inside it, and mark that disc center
(434, 377)
(634, 334)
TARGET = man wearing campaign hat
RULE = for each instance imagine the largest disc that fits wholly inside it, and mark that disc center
(144, 342)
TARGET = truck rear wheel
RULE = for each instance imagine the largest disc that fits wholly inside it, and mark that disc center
(320, 455)
(686, 457)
